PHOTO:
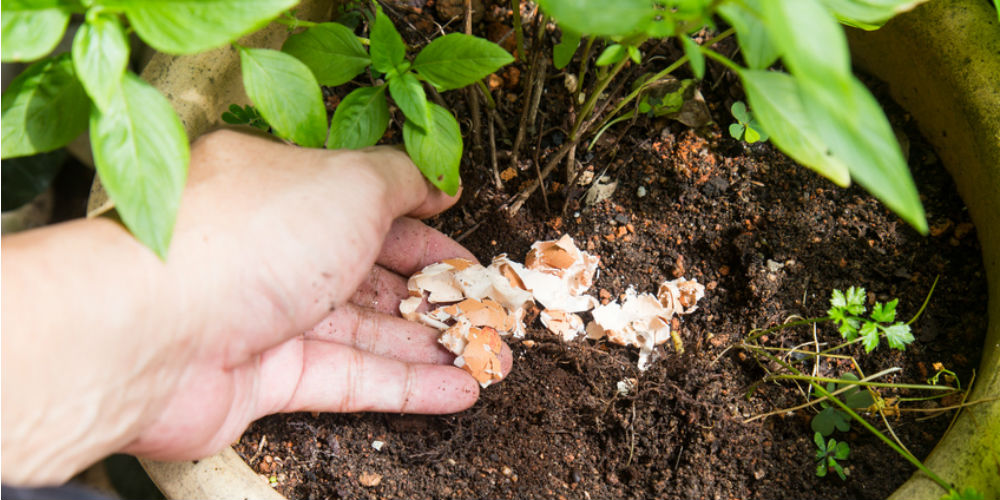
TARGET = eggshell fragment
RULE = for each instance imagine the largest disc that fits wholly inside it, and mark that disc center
(563, 259)
(681, 296)
(566, 325)
(481, 356)
(643, 320)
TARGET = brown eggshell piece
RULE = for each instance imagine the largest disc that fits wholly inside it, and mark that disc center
(481, 357)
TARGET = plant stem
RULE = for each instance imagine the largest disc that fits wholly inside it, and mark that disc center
(823, 392)
(807, 321)
(926, 300)
(666, 71)
(294, 22)
(811, 378)
(515, 6)
(588, 105)
(908, 456)
(584, 65)
(490, 103)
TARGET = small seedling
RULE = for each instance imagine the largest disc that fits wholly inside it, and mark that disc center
(964, 494)
(247, 115)
(828, 454)
(831, 417)
(846, 309)
(746, 127)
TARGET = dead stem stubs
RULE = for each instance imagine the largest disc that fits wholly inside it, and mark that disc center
(484, 303)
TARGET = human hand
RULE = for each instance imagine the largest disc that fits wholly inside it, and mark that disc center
(271, 241)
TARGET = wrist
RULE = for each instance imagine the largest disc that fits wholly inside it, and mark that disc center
(80, 335)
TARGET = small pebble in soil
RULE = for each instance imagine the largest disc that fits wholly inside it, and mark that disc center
(370, 479)
(641, 192)
(378, 445)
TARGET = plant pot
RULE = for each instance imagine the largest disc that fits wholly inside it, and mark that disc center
(923, 57)
(941, 62)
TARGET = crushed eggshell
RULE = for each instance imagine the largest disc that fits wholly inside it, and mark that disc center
(680, 295)
(566, 325)
(481, 355)
(643, 320)
(482, 303)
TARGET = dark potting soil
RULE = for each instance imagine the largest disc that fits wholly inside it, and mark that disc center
(770, 239)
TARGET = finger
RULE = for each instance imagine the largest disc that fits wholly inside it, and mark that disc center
(411, 245)
(381, 291)
(407, 190)
(382, 335)
(337, 378)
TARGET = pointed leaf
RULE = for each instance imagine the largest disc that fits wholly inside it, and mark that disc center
(612, 54)
(100, 56)
(773, 97)
(855, 128)
(141, 153)
(751, 33)
(456, 60)
(411, 99)
(563, 52)
(360, 119)
(28, 34)
(437, 150)
(188, 26)
(885, 313)
(600, 17)
(331, 51)
(872, 13)
(813, 42)
(386, 44)
(286, 94)
(44, 108)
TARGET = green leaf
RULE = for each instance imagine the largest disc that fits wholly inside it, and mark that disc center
(695, 58)
(44, 108)
(736, 130)
(837, 468)
(331, 51)
(286, 94)
(751, 33)
(858, 398)
(612, 54)
(774, 98)
(26, 177)
(855, 128)
(739, 110)
(898, 336)
(885, 313)
(600, 17)
(456, 60)
(386, 44)
(820, 443)
(360, 119)
(563, 52)
(873, 13)
(751, 136)
(30, 33)
(100, 56)
(813, 42)
(634, 54)
(855, 297)
(411, 99)
(437, 150)
(188, 26)
(838, 299)
(824, 422)
(821, 469)
(141, 153)
(869, 336)
(755, 125)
